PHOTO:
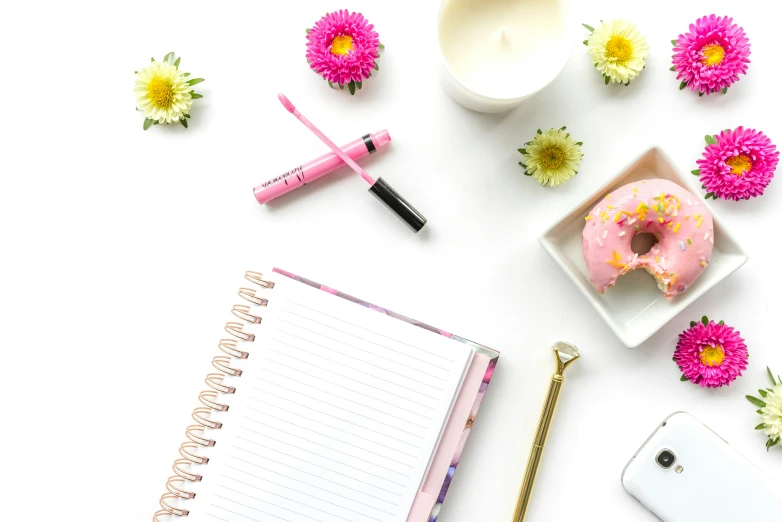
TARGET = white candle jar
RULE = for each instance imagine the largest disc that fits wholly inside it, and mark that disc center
(494, 54)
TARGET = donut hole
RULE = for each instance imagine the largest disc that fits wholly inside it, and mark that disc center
(643, 243)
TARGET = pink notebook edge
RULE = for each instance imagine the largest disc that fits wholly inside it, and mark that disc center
(429, 500)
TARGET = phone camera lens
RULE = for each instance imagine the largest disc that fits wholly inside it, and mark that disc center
(666, 458)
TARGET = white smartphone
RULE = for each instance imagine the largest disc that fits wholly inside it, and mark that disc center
(685, 472)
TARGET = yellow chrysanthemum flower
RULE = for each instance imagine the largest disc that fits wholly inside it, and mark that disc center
(618, 50)
(552, 157)
(164, 93)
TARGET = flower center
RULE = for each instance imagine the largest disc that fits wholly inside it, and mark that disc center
(342, 44)
(713, 54)
(619, 49)
(739, 164)
(161, 93)
(552, 158)
(712, 355)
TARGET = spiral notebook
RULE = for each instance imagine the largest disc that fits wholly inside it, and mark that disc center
(326, 408)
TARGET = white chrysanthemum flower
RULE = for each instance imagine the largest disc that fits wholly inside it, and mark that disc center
(552, 157)
(618, 50)
(163, 93)
(771, 414)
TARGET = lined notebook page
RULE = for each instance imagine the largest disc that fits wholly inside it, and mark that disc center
(335, 418)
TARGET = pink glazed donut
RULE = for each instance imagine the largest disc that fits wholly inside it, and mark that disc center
(682, 225)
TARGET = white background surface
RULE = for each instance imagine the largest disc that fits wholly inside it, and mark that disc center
(123, 249)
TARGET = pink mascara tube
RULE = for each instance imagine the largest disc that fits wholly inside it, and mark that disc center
(319, 167)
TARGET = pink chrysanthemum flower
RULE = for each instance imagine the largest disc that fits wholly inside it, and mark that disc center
(711, 354)
(342, 47)
(737, 164)
(710, 57)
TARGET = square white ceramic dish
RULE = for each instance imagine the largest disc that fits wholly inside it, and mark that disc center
(635, 308)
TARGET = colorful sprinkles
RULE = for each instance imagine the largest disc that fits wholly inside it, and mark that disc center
(661, 210)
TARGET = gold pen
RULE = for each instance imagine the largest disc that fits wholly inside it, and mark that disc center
(564, 354)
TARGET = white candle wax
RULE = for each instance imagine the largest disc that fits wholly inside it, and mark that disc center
(497, 52)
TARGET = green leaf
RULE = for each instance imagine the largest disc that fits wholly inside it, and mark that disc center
(167, 56)
(195, 81)
(705, 320)
(341, 86)
(176, 63)
(153, 58)
(675, 43)
(381, 46)
(589, 28)
(377, 67)
(756, 401)
(358, 84)
(579, 143)
(331, 85)
(586, 42)
(527, 173)
(607, 80)
(563, 128)
(710, 195)
(183, 121)
(711, 140)
(696, 172)
(700, 94)
(523, 151)
(725, 90)
(683, 378)
(539, 131)
(770, 444)
(187, 115)
(692, 323)
(771, 375)
(352, 87)
(156, 122)
(763, 393)
(673, 68)
(760, 426)
(308, 30)
(722, 323)
(196, 96)
(682, 85)
(185, 74)
(147, 123)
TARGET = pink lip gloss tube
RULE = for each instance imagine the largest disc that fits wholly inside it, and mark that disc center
(319, 167)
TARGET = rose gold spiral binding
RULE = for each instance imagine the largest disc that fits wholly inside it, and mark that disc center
(207, 399)
(192, 433)
(249, 294)
(185, 450)
(172, 509)
(243, 312)
(235, 329)
(178, 491)
(229, 346)
(160, 513)
(184, 467)
(177, 467)
(201, 416)
(215, 381)
(221, 363)
(257, 278)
